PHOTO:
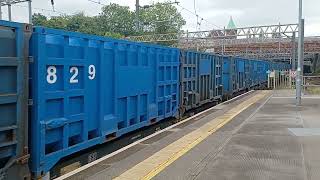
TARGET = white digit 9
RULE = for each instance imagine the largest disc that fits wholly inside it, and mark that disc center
(51, 74)
(92, 72)
(75, 72)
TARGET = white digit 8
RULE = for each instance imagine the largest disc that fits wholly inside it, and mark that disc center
(51, 74)
(92, 72)
(75, 72)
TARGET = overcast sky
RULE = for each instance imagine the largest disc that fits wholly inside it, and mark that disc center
(216, 12)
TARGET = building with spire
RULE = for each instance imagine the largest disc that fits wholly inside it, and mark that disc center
(231, 24)
(227, 33)
(231, 31)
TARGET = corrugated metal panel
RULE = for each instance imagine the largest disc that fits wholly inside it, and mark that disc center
(230, 75)
(247, 69)
(234, 75)
(228, 72)
(262, 72)
(200, 78)
(89, 89)
(255, 73)
(241, 73)
(14, 156)
(218, 73)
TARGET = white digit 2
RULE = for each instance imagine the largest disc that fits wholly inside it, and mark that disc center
(92, 72)
(75, 72)
(51, 74)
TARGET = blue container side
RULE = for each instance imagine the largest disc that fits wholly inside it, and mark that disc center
(240, 73)
(13, 95)
(241, 63)
(200, 80)
(87, 88)
(226, 76)
(205, 67)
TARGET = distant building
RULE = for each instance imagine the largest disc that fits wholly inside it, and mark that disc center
(230, 31)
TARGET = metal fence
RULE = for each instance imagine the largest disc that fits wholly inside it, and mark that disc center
(311, 84)
(280, 79)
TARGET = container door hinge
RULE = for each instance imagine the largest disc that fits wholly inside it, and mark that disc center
(30, 102)
(23, 159)
(30, 59)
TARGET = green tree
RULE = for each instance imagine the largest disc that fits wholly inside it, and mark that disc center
(58, 22)
(117, 19)
(39, 19)
(82, 23)
(161, 18)
(114, 35)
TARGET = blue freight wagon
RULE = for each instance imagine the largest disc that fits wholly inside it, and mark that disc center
(235, 74)
(255, 73)
(241, 73)
(248, 79)
(14, 58)
(88, 89)
(261, 73)
(265, 71)
(230, 76)
(201, 79)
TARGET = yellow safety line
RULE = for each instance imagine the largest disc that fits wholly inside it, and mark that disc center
(153, 165)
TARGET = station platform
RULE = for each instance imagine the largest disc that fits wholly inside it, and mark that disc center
(260, 135)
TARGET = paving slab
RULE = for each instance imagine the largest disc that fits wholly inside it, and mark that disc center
(271, 139)
(115, 166)
(279, 141)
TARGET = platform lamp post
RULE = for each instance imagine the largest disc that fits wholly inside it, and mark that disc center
(300, 56)
(9, 3)
(9, 12)
(30, 11)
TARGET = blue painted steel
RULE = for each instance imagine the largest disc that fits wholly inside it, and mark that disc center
(205, 67)
(200, 79)
(264, 71)
(228, 77)
(247, 69)
(259, 73)
(218, 76)
(235, 73)
(241, 63)
(255, 73)
(87, 89)
(14, 39)
(240, 74)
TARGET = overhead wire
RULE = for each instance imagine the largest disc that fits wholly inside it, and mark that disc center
(97, 2)
(42, 9)
(197, 16)
(203, 19)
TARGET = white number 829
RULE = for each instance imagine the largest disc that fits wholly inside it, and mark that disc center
(74, 71)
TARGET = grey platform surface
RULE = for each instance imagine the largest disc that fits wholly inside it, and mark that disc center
(279, 141)
(272, 139)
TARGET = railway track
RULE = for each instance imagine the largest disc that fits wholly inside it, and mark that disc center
(82, 160)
